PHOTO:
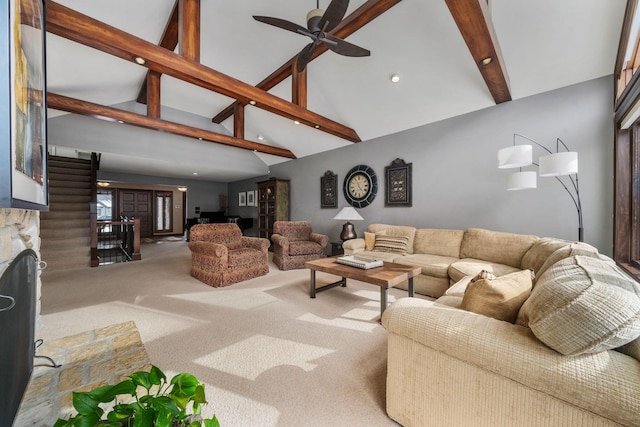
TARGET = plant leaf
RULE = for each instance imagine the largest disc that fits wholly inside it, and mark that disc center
(145, 417)
(124, 387)
(86, 405)
(212, 422)
(142, 379)
(156, 375)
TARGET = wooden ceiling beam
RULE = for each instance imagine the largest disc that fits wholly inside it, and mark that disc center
(366, 13)
(168, 41)
(70, 24)
(299, 87)
(474, 22)
(85, 108)
(189, 34)
(153, 95)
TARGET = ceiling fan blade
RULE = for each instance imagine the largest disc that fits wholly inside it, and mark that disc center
(284, 24)
(344, 48)
(305, 56)
(333, 15)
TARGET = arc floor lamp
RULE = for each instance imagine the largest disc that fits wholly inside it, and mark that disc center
(556, 164)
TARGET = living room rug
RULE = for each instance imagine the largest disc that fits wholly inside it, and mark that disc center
(268, 354)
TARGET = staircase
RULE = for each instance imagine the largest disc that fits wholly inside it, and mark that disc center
(65, 229)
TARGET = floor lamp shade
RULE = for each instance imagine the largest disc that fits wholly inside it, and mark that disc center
(522, 180)
(515, 156)
(559, 164)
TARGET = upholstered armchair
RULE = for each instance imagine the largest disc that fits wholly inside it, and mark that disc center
(221, 255)
(295, 243)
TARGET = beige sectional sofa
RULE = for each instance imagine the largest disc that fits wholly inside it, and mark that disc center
(570, 356)
(446, 256)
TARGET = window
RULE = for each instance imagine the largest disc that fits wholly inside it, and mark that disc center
(105, 205)
(626, 233)
(164, 211)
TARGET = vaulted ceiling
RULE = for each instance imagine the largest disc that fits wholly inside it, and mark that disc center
(435, 46)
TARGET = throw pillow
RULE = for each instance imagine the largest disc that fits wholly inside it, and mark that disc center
(498, 297)
(369, 240)
(583, 304)
(394, 244)
(458, 289)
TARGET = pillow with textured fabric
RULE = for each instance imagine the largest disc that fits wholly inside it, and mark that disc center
(583, 304)
(394, 244)
(498, 297)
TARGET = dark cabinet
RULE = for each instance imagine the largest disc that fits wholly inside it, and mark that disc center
(273, 205)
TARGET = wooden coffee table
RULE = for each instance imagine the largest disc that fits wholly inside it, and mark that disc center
(387, 276)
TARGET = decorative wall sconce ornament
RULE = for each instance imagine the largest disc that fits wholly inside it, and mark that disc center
(556, 164)
(398, 177)
(329, 190)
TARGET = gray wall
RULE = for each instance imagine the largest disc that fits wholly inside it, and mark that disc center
(456, 183)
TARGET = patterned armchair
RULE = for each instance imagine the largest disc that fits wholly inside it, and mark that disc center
(221, 255)
(295, 244)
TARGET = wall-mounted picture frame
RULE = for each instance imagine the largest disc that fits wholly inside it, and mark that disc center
(242, 198)
(23, 121)
(329, 190)
(251, 198)
(397, 177)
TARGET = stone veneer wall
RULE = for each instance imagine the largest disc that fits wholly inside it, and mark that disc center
(88, 360)
(20, 230)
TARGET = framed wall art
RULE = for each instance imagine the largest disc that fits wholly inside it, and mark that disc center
(329, 190)
(251, 198)
(242, 198)
(23, 144)
(397, 178)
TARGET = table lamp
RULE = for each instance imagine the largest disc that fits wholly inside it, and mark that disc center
(348, 214)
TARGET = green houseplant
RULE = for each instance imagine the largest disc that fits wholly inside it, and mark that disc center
(153, 402)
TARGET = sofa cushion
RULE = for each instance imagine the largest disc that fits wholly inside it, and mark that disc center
(395, 230)
(500, 297)
(496, 246)
(304, 247)
(244, 256)
(390, 243)
(582, 305)
(471, 267)
(535, 257)
(631, 349)
(432, 265)
(434, 241)
(384, 256)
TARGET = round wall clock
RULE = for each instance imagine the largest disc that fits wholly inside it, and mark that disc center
(360, 186)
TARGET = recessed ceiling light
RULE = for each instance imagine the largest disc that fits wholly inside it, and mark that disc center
(260, 137)
(195, 173)
(103, 184)
(200, 138)
(120, 121)
(486, 61)
(139, 60)
(252, 102)
(395, 78)
(317, 126)
(295, 122)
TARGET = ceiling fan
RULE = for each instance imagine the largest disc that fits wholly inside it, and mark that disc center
(319, 23)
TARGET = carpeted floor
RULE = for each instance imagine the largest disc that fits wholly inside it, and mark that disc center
(269, 354)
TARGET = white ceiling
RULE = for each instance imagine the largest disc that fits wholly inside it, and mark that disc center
(546, 44)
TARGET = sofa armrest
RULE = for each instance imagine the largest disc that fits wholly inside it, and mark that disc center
(258, 243)
(320, 239)
(282, 241)
(605, 383)
(209, 248)
(353, 246)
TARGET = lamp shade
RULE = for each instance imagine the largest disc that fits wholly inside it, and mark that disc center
(348, 214)
(522, 180)
(558, 164)
(515, 156)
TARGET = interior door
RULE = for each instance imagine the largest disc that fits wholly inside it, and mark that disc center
(138, 204)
